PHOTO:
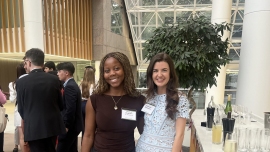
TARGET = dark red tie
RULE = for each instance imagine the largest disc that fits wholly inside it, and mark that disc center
(62, 91)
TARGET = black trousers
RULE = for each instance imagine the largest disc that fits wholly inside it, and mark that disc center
(83, 115)
(43, 145)
(1, 141)
(68, 142)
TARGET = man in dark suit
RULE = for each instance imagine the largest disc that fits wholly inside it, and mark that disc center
(72, 113)
(39, 104)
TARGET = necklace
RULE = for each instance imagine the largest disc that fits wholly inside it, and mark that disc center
(115, 103)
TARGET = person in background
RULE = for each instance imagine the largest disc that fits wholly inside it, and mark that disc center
(26, 67)
(72, 112)
(12, 98)
(3, 100)
(39, 104)
(49, 67)
(164, 126)
(87, 86)
(113, 111)
(18, 135)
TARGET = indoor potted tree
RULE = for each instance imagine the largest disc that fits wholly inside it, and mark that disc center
(197, 49)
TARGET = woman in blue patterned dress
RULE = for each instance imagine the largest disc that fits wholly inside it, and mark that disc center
(165, 122)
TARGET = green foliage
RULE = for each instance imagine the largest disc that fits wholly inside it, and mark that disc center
(196, 48)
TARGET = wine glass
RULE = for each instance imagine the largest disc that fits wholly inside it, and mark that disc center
(265, 140)
(235, 114)
(241, 114)
(254, 139)
(242, 139)
(230, 142)
(221, 111)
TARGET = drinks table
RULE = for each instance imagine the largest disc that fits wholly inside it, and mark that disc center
(201, 139)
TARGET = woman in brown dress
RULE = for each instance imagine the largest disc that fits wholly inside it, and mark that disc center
(114, 109)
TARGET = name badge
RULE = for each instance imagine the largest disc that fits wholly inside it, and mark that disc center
(147, 108)
(129, 114)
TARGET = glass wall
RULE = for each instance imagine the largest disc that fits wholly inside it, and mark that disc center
(80, 66)
(142, 79)
(231, 85)
(116, 18)
(146, 15)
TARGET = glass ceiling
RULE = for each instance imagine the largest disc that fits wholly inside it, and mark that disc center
(146, 15)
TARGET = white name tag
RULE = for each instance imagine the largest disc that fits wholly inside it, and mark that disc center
(129, 114)
(147, 108)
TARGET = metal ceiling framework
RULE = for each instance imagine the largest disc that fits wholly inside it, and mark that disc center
(146, 15)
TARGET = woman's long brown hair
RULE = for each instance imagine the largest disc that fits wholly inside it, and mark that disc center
(88, 80)
(20, 71)
(172, 97)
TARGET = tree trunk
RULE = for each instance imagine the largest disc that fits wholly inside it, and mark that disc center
(191, 101)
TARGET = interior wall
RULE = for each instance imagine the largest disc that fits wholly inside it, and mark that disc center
(7, 72)
(68, 28)
(106, 41)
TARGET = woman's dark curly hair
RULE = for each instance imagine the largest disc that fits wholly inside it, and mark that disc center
(172, 97)
(129, 85)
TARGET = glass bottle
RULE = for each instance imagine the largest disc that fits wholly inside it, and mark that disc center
(217, 129)
(211, 103)
(217, 118)
(210, 110)
(229, 105)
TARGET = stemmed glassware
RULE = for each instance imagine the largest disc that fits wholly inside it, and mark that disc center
(235, 114)
(254, 139)
(243, 113)
(242, 139)
(250, 140)
(264, 140)
(230, 142)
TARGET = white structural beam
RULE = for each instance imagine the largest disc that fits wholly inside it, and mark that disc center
(253, 90)
(221, 13)
(33, 21)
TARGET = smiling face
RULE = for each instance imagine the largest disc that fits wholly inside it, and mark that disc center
(113, 73)
(161, 76)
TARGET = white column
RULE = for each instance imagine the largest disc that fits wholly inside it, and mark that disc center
(221, 12)
(253, 88)
(33, 22)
